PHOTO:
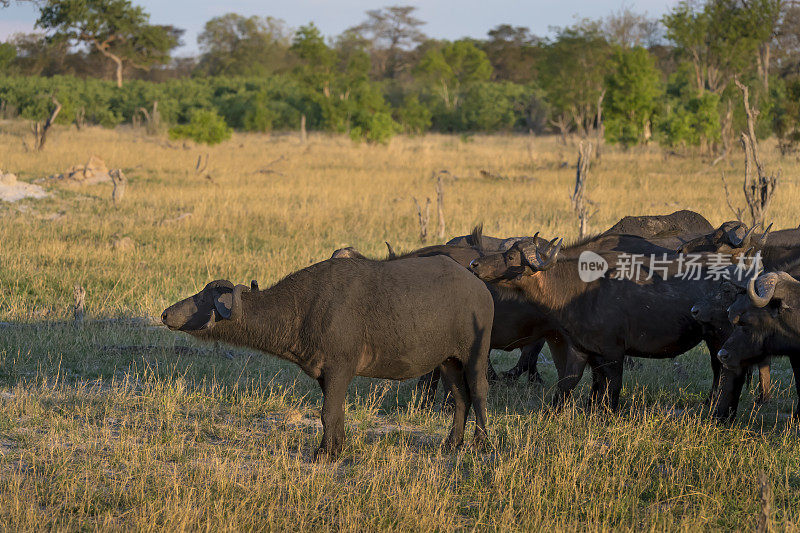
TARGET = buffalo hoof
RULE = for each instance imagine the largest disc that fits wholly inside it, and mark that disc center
(453, 442)
(323, 455)
(480, 441)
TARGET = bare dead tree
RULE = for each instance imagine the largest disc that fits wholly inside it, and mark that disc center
(562, 123)
(120, 183)
(440, 204)
(80, 304)
(424, 217)
(759, 187)
(152, 119)
(80, 118)
(303, 136)
(737, 211)
(40, 130)
(727, 124)
(600, 127)
(201, 166)
(580, 202)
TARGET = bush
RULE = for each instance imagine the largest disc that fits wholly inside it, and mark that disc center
(414, 117)
(206, 126)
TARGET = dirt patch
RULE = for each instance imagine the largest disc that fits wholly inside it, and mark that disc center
(12, 190)
(93, 172)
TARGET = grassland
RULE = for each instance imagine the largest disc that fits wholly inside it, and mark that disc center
(119, 426)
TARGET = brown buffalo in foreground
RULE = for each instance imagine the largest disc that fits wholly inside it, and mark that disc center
(343, 318)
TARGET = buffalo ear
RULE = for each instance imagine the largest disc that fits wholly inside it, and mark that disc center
(224, 304)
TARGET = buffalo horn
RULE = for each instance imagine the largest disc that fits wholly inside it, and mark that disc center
(757, 299)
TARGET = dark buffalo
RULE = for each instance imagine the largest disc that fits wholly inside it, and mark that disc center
(354, 317)
(775, 249)
(766, 323)
(711, 312)
(731, 235)
(490, 244)
(605, 319)
(661, 234)
(510, 329)
(679, 223)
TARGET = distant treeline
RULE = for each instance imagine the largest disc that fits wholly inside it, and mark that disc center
(628, 78)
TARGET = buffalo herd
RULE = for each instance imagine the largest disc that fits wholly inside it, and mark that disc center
(649, 286)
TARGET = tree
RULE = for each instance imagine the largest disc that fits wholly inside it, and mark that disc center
(628, 29)
(338, 93)
(722, 38)
(8, 53)
(573, 74)
(234, 45)
(454, 66)
(391, 31)
(633, 90)
(114, 28)
(787, 41)
(514, 53)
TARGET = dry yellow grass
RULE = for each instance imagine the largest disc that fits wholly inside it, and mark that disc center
(98, 434)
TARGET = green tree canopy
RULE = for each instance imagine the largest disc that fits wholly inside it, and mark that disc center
(514, 53)
(721, 38)
(453, 66)
(633, 89)
(234, 45)
(573, 73)
(117, 29)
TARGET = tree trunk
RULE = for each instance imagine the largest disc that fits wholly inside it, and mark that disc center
(103, 49)
(118, 61)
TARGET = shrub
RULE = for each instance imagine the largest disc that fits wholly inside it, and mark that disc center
(206, 126)
(414, 117)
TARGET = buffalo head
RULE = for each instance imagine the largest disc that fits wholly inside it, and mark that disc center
(731, 237)
(219, 300)
(766, 321)
(523, 258)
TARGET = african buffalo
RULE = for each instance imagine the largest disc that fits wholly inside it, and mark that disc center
(683, 222)
(663, 233)
(510, 325)
(343, 318)
(603, 319)
(711, 312)
(766, 323)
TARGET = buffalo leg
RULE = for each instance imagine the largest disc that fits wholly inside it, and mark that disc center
(713, 348)
(570, 364)
(334, 388)
(730, 390)
(453, 370)
(426, 386)
(528, 360)
(490, 371)
(531, 353)
(764, 382)
(478, 389)
(607, 382)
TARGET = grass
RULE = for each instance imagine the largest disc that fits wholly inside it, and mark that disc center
(114, 426)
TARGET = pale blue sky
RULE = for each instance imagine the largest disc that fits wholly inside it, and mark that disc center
(445, 19)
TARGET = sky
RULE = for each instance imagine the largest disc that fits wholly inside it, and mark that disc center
(444, 19)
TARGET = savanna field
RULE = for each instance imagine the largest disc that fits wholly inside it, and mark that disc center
(120, 425)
